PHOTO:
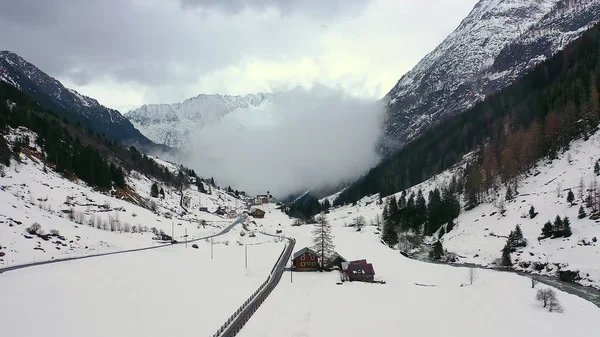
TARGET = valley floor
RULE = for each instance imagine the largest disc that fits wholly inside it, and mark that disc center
(417, 299)
(172, 291)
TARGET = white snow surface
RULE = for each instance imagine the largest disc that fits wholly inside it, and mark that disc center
(172, 291)
(312, 304)
(29, 195)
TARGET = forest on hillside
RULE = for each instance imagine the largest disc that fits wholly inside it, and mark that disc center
(509, 132)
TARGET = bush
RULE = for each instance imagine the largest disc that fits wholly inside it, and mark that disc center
(54, 232)
(35, 229)
(195, 246)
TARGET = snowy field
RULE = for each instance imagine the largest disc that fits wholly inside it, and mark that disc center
(497, 304)
(171, 291)
(83, 216)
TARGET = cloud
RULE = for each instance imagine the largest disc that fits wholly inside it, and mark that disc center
(311, 8)
(306, 138)
(134, 52)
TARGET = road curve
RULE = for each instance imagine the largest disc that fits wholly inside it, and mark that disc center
(28, 265)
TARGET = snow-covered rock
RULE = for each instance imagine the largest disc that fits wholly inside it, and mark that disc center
(175, 124)
(495, 44)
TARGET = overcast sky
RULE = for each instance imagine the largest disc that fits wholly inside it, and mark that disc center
(131, 52)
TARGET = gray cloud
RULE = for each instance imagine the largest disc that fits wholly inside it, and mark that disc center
(313, 8)
(306, 139)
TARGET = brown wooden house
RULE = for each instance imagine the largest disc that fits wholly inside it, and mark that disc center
(305, 259)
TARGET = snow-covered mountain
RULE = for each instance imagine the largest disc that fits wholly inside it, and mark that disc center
(495, 44)
(68, 103)
(174, 124)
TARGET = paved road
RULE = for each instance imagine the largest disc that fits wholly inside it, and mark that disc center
(28, 265)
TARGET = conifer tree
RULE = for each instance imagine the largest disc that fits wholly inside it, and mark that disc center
(597, 167)
(532, 212)
(506, 261)
(449, 226)
(557, 227)
(547, 230)
(322, 239)
(570, 197)
(516, 239)
(154, 190)
(582, 213)
(566, 227)
(389, 236)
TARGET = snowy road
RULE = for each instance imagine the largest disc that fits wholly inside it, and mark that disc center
(28, 265)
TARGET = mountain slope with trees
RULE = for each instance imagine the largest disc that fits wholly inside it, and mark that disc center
(507, 134)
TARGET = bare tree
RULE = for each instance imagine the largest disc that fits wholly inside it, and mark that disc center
(377, 221)
(127, 227)
(534, 281)
(359, 222)
(472, 276)
(322, 238)
(547, 297)
(581, 189)
(559, 189)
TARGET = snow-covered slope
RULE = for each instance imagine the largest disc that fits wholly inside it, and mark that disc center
(32, 193)
(174, 124)
(480, 234)
(68, 103)
(494, 45)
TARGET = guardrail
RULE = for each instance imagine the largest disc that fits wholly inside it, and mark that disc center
(234, 324)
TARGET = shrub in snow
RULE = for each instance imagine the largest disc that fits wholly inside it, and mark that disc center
(568, 275)
(409, 240)
(35, 229)
(532, 212)
(195, 246)
(54, 232)
(547, 297)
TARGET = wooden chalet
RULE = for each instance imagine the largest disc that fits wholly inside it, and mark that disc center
(359, 270)
(258, 213)
(305, 259)
(335, 261)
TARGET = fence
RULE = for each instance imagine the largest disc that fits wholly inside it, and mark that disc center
(234, 324)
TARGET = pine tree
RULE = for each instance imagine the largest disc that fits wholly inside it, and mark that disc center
(438, 251)
(566, 227)
(597, 167)
(389, 236)
(547, 230)
(441, 233)
(582, 213)
(516, 239)
(322, 239)
(532, 212)
(509, 194)
(557, 227)
(393, 211)
(154, 190)
(506, 261)
(162, 193)
(570, 197)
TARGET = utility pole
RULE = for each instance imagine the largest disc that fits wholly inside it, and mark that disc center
(211, 248)
(291, 268)
(246, 255)
(186, 238)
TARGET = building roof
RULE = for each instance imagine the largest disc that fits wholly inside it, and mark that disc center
(335, 256)
(359, 269)
(302, 251)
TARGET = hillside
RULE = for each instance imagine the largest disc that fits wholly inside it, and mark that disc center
(496, 44)
(67, 103)
(510, 131)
